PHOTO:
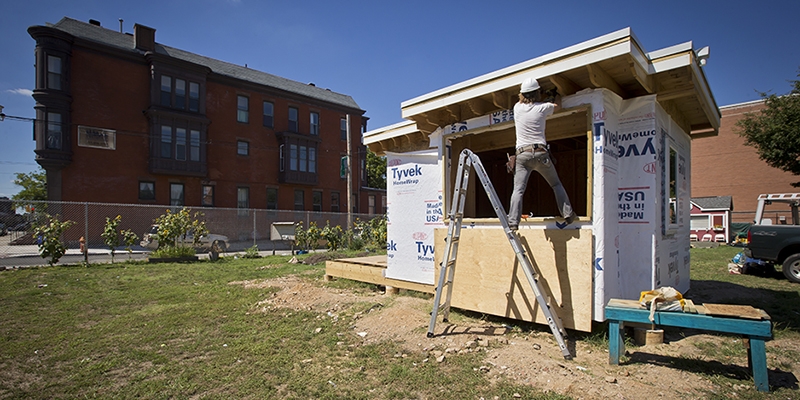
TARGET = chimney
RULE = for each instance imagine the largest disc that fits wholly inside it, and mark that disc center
(144, 38)
(94, 22)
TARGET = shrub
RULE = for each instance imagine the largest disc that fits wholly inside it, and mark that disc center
(48, 234)
(251, 252)
(333, 235)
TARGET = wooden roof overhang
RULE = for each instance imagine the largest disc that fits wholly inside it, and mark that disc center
(615, 61)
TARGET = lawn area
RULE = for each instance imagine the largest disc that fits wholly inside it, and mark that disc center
(180, 331)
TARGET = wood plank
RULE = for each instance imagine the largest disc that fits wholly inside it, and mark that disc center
(488, 278)
(731, 310)
(370, 270)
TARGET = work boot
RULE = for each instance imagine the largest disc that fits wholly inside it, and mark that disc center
(570, 218)
(513, 228)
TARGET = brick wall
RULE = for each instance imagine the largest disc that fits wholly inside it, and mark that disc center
(723, 165)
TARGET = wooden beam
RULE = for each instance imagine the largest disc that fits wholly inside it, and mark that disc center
(601, 79)
(424, 124)
(454, 113)
(641, 76)
(479, 107)
(376, 148)
(500, 100)
(673, 94)
(564, 85)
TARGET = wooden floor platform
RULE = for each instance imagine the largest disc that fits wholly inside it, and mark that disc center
(370, 269)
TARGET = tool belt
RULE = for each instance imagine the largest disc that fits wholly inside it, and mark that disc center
(533, 148)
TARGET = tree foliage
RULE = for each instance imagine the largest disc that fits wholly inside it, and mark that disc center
(34, 186)
(775, 130)
(48, 236)
(376, 171)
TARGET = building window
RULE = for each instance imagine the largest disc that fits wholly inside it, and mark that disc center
(242, 148)
(166, 141)
(194, 145)
(180, 94)
(371, 209)
(383, 204)
(269, 113)
(316, 200)
(293, 157)
(343, 128)
(166, 90)
(243, 106)
(299, 200)
(243, 200)
(147, 190)
(55, 131)
(194, 96)
(272, 198)
(334, 201)
(281, 158)
(314, 123)
(673, 189)
(303, 159)
(293, 118)
(54, 72)
(312, 160)
(354, 203)
(180, 144)
(207, 199)
(176, 194)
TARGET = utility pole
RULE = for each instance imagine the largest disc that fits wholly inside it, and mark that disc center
(349, 178)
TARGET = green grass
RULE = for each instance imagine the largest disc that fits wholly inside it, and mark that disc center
(768, 290)
(139, 330)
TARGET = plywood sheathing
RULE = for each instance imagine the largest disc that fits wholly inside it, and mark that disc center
(497, 285)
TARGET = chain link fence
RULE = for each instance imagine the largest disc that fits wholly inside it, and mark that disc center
(243, 227)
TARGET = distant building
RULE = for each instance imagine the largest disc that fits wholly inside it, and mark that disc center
(723, 165)
(124, 119)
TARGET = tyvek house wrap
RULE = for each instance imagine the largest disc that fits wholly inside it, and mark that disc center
(415, 209)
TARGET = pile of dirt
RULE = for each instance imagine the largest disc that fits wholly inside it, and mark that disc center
(674, 369)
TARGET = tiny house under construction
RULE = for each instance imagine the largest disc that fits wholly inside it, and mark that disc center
(622, 144)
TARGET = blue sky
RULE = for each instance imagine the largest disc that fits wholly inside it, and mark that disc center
(384, 52)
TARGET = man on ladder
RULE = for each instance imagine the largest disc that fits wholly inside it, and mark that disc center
(533, 152)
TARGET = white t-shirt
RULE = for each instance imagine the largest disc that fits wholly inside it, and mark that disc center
(529, 120)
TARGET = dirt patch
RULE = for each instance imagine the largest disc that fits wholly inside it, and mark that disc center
(675, 369)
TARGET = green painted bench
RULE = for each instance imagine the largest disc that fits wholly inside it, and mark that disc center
(756, 332)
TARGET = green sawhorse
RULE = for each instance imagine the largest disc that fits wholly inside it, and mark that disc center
(755, 332)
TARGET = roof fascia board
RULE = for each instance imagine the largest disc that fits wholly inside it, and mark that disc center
(589, 44)
(416, 106)
(668, 51)
(389, 132)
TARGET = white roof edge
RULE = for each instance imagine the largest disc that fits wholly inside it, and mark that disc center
(746, 103)
(610, 37)
(668, 51)
(389, 131)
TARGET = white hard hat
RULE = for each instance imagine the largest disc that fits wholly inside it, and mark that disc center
(529, 85)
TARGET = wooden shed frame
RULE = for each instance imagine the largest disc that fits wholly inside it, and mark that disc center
(472, 114)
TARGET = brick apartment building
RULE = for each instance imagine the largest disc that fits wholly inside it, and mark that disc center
(723, 165)
(124, 119)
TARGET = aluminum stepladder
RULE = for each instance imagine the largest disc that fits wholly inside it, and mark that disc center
(465, 163)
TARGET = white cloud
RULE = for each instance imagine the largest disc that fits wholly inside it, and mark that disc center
(24, 92)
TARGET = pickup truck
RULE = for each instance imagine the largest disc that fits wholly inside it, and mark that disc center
(777, 243)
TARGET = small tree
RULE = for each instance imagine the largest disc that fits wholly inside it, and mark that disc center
(775, 130)
(111, 236)
(48, 236)
(34, 188)
(174, 226)
(376, 171)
